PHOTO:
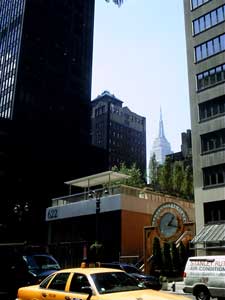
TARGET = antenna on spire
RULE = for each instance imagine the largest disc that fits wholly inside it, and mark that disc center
(161, 127)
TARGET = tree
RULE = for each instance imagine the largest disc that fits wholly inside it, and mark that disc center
(175, 258)
(165, 176)
(183, 255)
(157, 254)
(178, 176)
(135, 175)
(167, 261)
(153, 172)
(187, 185)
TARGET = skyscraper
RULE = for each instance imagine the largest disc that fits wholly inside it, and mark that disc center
(161, 146)
(205, 38)
(45, 93)
(118, 130)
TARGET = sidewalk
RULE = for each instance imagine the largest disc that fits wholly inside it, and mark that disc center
(178, 288)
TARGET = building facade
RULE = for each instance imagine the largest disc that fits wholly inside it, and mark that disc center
(161, 147)
(45, 94)
(205, 39)
(185, 155)
(118, 130)
(128, 220)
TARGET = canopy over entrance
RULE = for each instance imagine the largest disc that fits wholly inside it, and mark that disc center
(97, 179)
(210, 236)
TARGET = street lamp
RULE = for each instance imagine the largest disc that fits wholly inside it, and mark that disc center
(97, 195)
(19, 210)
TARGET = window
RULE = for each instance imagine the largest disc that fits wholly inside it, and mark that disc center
(209, 20)
(214, 176)
(78, 282)
(213, 141)
(214, 211)
(210, 48)
(59, 282)
(211, 77)
(212, 108)
(196, 3)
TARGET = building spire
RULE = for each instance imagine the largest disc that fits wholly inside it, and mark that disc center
(161, 128)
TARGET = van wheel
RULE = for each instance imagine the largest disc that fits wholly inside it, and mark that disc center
(202, 294)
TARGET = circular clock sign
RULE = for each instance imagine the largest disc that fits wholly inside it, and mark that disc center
(169, 219)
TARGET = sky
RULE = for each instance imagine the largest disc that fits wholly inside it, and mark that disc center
(140, 57)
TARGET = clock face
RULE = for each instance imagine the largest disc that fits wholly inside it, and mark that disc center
(168, 220)
(168, 225)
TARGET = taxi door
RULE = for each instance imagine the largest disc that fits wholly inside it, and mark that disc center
(76, 284)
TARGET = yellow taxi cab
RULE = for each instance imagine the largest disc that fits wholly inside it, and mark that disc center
(92, 284)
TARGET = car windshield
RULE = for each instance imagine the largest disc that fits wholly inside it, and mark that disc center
(130, 269)
(115, 282)
(41, 262)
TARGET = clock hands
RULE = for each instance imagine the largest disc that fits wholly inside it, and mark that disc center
(170, 223)
(171, 220)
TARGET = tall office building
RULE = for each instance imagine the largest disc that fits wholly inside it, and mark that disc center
(121, 132)
(205, 38)
(45, 94)
(161, 147)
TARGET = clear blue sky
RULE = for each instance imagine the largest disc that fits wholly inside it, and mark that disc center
(140, 57)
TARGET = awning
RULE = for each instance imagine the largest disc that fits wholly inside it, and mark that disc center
(211, 234)
(97, 179)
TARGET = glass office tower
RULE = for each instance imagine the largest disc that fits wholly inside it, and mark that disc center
(11, 18)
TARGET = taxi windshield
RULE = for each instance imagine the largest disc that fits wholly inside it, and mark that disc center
(112, 282)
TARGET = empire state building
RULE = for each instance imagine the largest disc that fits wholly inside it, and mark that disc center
(161, 147)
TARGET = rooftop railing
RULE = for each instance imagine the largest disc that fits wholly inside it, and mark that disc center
(113, 190)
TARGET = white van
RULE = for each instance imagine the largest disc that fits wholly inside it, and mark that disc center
(204, 277)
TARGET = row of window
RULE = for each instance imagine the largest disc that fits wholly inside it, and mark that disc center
(212, 108)
(197, 3)
(209, 48)
(213, 141)
(208, 20)
(10, 10)
(214, 176)
(210, 77)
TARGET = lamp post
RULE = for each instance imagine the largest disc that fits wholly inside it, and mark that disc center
(97, 195)
(20, 230)
(19, 210)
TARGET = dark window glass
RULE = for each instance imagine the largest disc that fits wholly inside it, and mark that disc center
(214, 175)
(206, 79)
(220, 176)
(218, 73)
(78, 282)
(59, 282)
(200, 81)
(212, 76)
(214, 211)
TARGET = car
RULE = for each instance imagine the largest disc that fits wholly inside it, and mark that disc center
(204, 277)
(92, 283)
(22, 269)
(41, 265)
(151, 282)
